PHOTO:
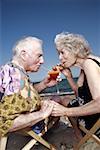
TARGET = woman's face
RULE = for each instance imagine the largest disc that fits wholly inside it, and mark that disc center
(66, 58)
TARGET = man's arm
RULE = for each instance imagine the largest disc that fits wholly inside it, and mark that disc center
(40, 86)
(29, 119)
(47, 82)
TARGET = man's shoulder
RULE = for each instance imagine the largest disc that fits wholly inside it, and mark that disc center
(5, 67)
(9, 79)
(8, 70)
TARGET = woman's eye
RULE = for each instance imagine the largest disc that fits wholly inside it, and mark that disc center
(62, 52)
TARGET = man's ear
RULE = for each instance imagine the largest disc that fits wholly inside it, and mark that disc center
(23, 55)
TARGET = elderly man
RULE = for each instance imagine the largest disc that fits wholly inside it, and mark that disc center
(19, 98)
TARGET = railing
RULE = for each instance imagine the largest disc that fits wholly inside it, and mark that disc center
(60, 94)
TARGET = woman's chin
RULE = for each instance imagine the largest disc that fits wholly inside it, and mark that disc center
(65, 65)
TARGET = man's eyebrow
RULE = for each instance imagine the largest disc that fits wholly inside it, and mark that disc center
(40, 54)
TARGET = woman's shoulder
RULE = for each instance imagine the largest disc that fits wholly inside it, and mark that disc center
(92, 61)
(91, 67)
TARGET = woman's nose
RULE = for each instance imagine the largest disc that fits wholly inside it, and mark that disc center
(60, 56)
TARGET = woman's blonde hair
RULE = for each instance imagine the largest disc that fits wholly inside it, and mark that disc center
(74, 43)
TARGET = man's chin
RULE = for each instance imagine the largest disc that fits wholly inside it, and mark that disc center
(37, 69)
(33, 70)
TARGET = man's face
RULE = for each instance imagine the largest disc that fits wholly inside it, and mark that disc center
(35, 58)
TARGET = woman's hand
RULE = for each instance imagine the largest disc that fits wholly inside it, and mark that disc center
(67, 72)
(58, 110)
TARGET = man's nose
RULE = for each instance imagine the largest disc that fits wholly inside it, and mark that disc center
(42, 60)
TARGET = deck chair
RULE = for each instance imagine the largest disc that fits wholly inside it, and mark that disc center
(35, 138)
(89, 134)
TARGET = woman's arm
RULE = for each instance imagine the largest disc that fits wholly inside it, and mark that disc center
(80, 79)
(92, 72)
(74, 86)
(90, 108)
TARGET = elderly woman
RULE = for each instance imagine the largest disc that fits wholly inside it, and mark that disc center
(74, 50)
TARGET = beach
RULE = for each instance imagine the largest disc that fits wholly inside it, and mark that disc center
(61, 135)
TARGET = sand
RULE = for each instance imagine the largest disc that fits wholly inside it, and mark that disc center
(62, 136)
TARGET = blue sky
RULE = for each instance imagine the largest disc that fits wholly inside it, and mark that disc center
(44, 19)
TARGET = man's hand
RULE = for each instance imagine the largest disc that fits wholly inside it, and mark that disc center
(46, 108)
(48, 82)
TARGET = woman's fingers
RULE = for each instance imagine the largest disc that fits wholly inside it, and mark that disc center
(58, 110)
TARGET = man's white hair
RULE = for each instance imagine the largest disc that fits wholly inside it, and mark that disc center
(26, 44)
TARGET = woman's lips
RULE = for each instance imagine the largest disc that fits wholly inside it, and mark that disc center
(63, 63)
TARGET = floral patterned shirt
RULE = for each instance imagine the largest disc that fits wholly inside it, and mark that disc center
(9, 79)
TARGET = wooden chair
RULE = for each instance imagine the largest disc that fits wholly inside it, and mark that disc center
(35, 138)
(3, 142)
(89, 134)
